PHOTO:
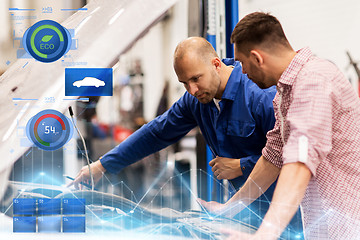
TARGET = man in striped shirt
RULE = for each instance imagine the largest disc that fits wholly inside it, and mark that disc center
(314, 148)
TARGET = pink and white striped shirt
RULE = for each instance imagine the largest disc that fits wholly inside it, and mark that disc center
(318, 123)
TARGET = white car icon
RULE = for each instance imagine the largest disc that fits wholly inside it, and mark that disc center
(89, 82)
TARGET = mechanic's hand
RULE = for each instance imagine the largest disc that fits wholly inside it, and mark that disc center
(226, 168)
(97, 171)
(213, 207)
(228, 209)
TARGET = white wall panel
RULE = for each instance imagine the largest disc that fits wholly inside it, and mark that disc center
(328, 27)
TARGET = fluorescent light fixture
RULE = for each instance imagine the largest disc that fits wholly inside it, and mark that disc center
(116, 16)
(95, 10)
(81, 24)
(14, 123)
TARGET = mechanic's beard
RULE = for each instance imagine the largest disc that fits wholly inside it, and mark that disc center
(261, 85)
(206, 99)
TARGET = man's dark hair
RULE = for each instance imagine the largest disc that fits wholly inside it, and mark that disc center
(258, 29)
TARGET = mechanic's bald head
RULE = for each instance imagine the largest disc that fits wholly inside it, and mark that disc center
(195, 49)
(200, 70)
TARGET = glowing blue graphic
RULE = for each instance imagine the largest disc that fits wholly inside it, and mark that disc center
(48, 206)
(49, 224)
(88, 82)
(24, 206)
(24, 224)
(47, 41)
(73, 224)
(48, 215)
(110, 213)
(49, 130)
(73, 206)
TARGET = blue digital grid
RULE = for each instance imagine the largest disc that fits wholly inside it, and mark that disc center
(48, 206)
(73, 205)
(49, 224)
(39, 216)
(24, 206)
(73, 224)
(24, 224)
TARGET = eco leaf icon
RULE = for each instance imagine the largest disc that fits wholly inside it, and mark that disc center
(46, 38)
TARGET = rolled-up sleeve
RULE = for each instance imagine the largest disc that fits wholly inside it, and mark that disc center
(247, 164)
(309, 118)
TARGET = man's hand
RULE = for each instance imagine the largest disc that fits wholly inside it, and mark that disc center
(227, 209)
(97, 171)
(213, 207)
(226, 168)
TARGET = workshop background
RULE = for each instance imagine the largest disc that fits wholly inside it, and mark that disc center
(145, 85)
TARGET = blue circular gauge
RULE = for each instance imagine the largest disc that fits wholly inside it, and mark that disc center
(49, 130)
(47, 41)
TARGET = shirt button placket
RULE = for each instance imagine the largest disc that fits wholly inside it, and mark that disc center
(281, 90)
